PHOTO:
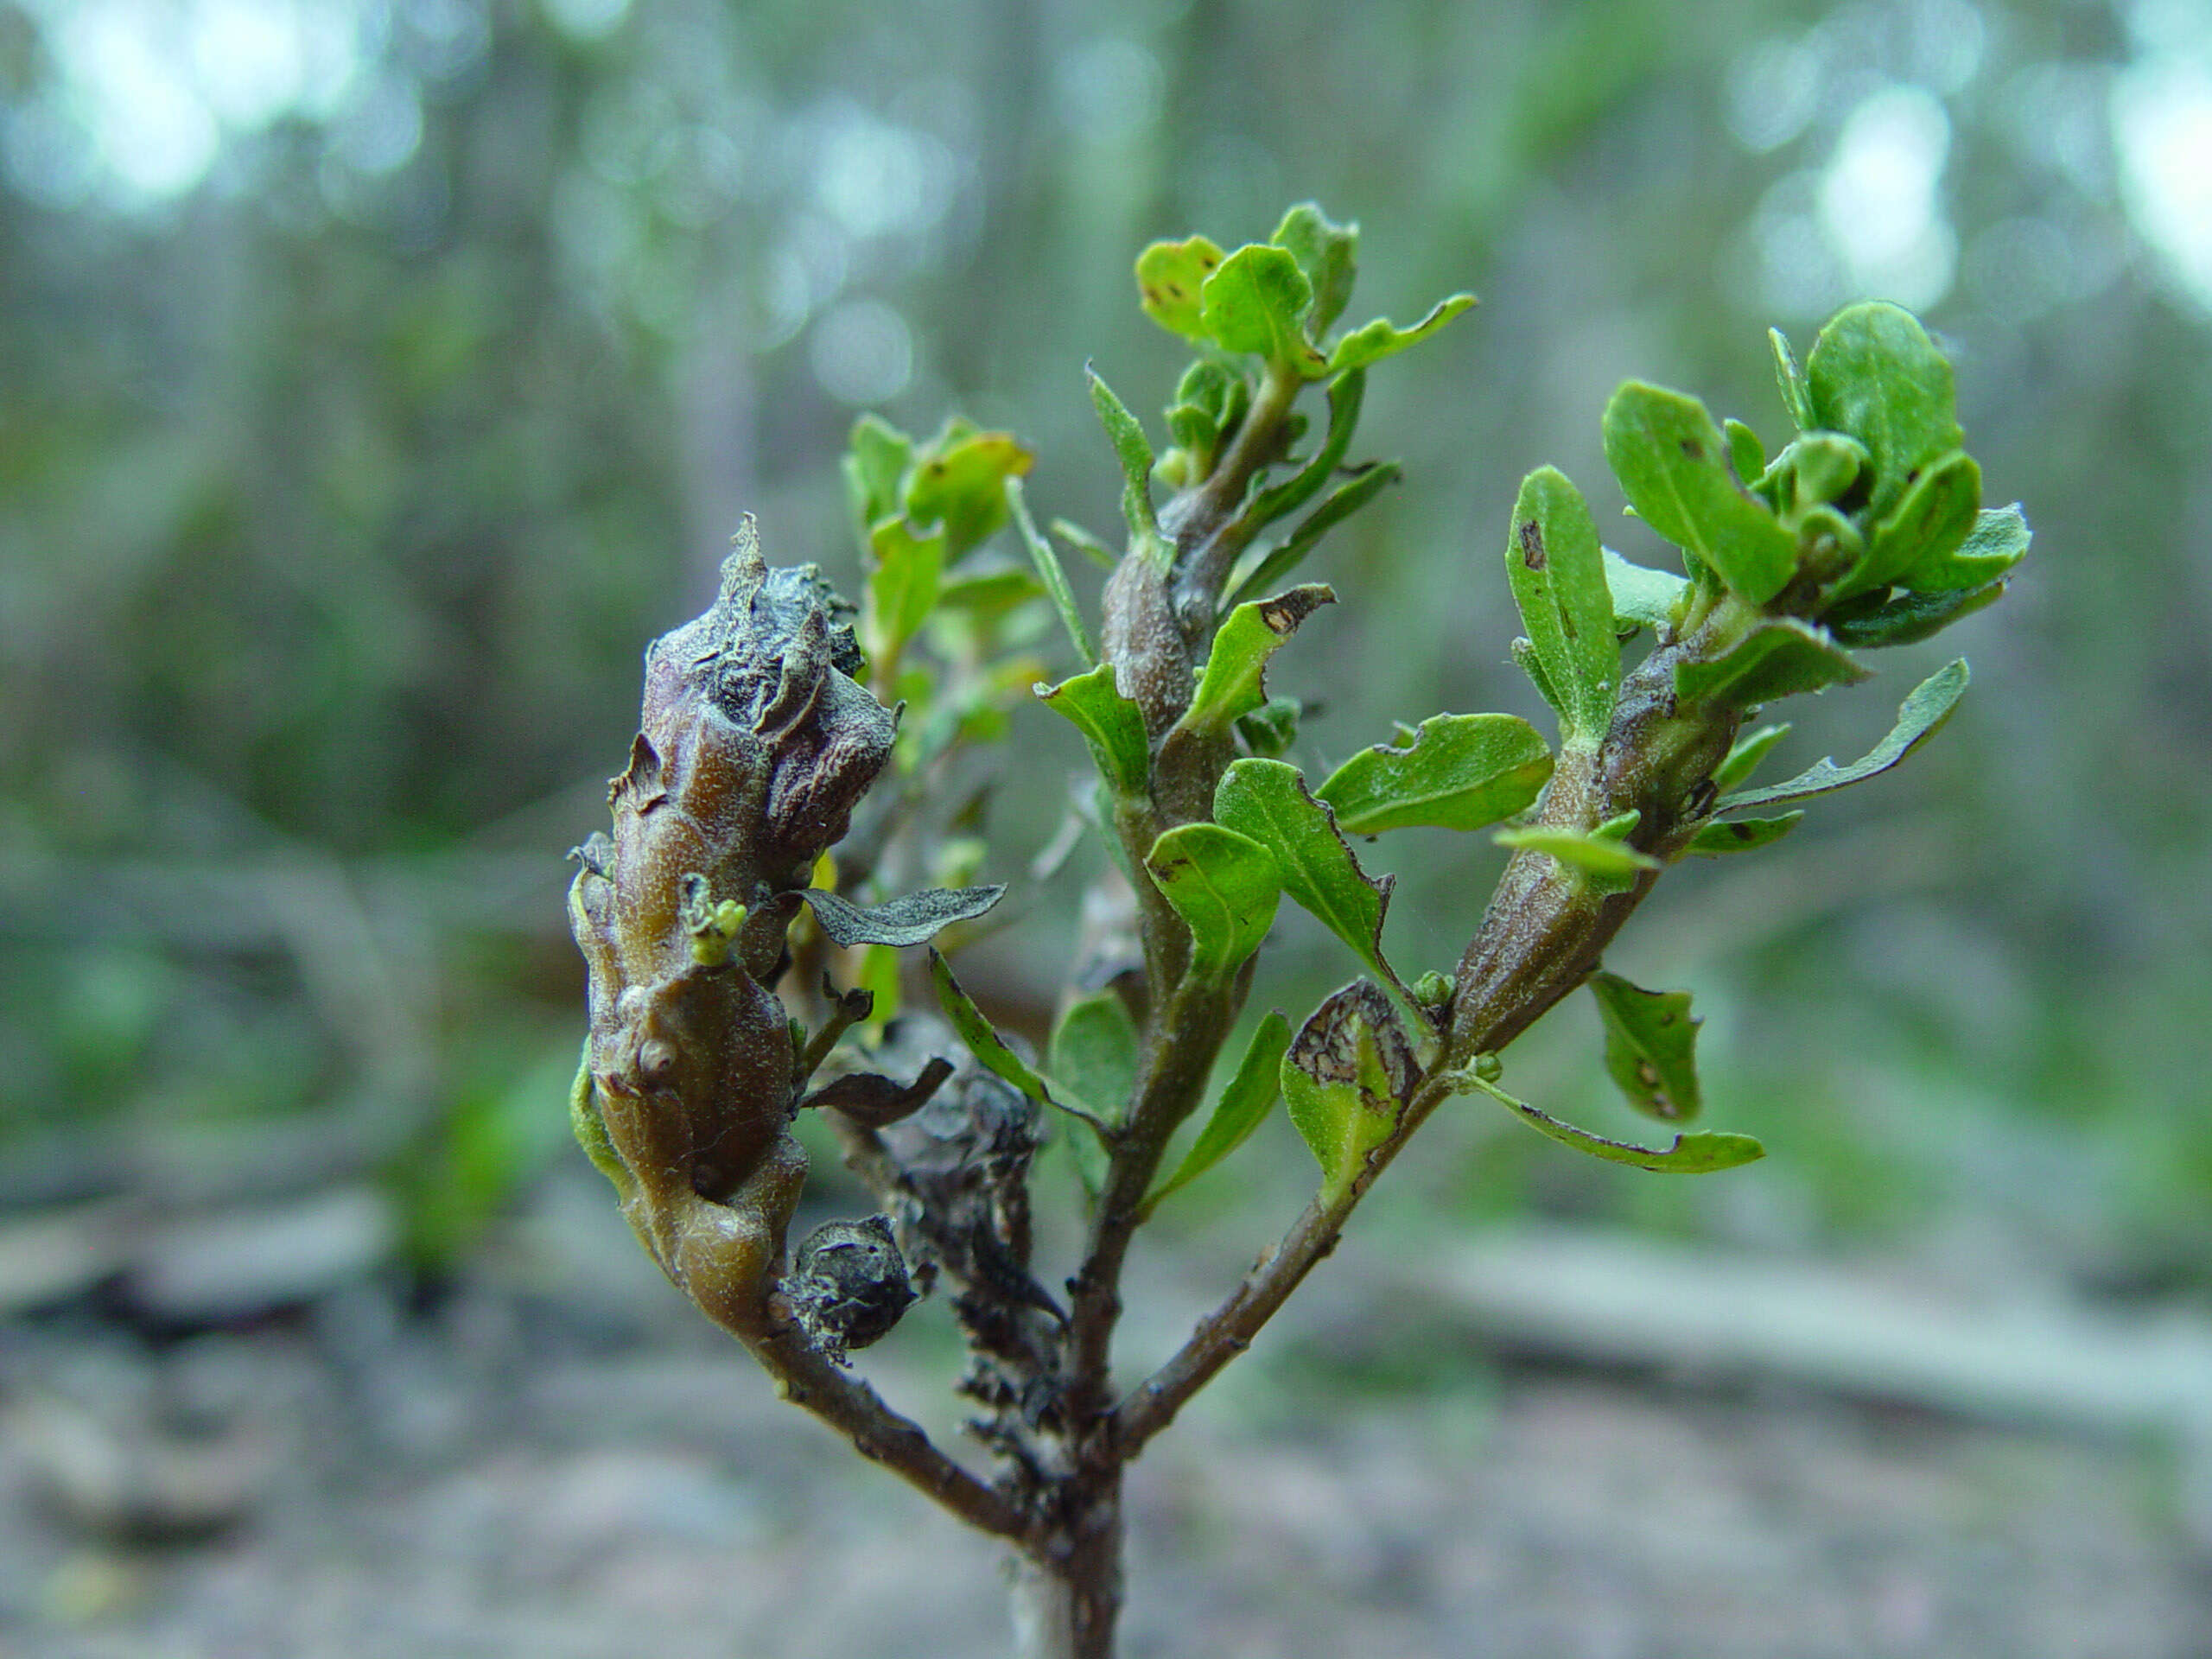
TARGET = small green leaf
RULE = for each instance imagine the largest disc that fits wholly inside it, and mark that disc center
(1129, 441)
(1872, 620)
(909, 921)
(1345, 396)
(1875, 374)
(1745, 453)
(1255, 300)
(1340, 504)
(1462, 772)
(1084, 543)
(1373, 341)
(985, 594)
(1232, 683)
(1938, 512)
(1790, 380)
(1050, 572)
(1225, 885)
(1778, 659)
(1094, 1054)
(958, 483)
(1643, 597)
(1267, 801)
(1998, 541)
(1169, 277)
(1820, 467)
(1345, 1078)
(1243, 1106)
(901, 589)
(1650, 1047)
(1690, 1155)
(1919, 717)
(1329, 255)
(874, 466)
(1211, 402)
(1671, 462)
(1605, 856)
(1272, 728)
(1741, 834)
(1112, 725)
(1558, 575)
(982, 1041)
(1745, 756)
(1524, 658)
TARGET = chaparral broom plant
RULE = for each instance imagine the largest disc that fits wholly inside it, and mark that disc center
(798, 810)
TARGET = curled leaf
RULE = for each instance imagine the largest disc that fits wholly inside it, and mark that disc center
(1461, 772)
(1243, 1106)
(1777, 659)
(1650, 1047)
(1169, 277)
(913, 919)
(1740, 835)
(1225, 885)
(1345, 1078)
(1701, 1153)
(1919, 717)
(1672, 463)
(1373, 341)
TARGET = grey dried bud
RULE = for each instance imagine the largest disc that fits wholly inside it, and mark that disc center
(849, 1285)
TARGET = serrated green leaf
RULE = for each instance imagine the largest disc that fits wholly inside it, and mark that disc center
(1462, 772)
(1998, 541)
(1558, 575)
(1232, 683)
(1055, 578)
(875, 467)
(1243, 1106)
(1643, 597)
(1777, 659)
(1873, 620)
(983, 1041)
(1740, 835)
(1790, 380)
(1650, 1047)
(1339, 505)
(1329, 255)
(1127, 435)
(957, 481)
(1255, 300)
(1690, 1155)
(1373, 341)
(1169, 277)
(1671, 462)
(1112, 725)
(1745, 755)
(1919, 716)
(1225, 885)
(901, 589)
(1745, 453)
(1268, 800)
(1938, 511)
(1345, 1078)
(1874, 373)
(1094, 1054)
(1605, 856)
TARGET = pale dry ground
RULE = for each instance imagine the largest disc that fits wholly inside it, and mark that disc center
(582, 1471)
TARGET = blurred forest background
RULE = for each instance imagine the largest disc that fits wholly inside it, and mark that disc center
(379, 377)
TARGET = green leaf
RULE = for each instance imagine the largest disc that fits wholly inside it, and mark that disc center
(1225, 885)
(988, 593)
(1094, 1054)
(1345, 1078)
(1930, 523)
(874, 466)
(1129, 441)
(958, 482)
(1998, 541)
(1328, 253)
(1211, 402)
(1243, 1106)
(1872, 620)
(1255, 300)
(1084, 543)
(1605, 856)
(1267, 801)
(1373, 341)
(1650, 1047)
(1558, 577)
(1232, 683)
(1346, 396)
(1740, 835)
(1874, 373)
(1461, 772)
(1690, 1155)
(1112, 725)
(1745, 453)
(1643, 597)
(1919, 717)
(1272, 728)
(983, 1041)
(1524, 658)
(1050, 572)
(901, 589)
(1671, 462)
(1820, 467)
(1744, 757)
(1169, 277)
(1340, 505)
(1790, 380)
(1778, 659)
